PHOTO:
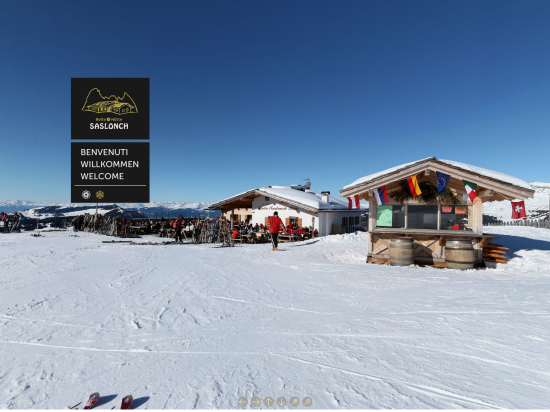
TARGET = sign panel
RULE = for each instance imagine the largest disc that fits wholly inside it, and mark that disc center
(109, 172)
(384, 215)
(109, 108)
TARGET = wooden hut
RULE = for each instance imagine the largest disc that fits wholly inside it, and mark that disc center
(432, 219)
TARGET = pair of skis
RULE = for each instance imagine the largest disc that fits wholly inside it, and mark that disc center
(94, 398)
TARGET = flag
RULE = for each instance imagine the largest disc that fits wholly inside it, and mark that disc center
(413, 186)
(470, 189)
(381, 195)
(407, 188)
(518, 210)
(442, 180)
(353, 202)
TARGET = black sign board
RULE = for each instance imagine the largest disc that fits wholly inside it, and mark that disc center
(109, 172)
(113, 109)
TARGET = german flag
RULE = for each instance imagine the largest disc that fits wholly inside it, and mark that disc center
(413, 186)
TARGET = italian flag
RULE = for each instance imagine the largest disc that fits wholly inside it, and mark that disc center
(470, 189)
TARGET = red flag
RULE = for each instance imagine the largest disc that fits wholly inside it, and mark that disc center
(518, 210)
(353, 202)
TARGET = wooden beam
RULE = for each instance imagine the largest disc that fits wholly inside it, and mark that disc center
(486, 193)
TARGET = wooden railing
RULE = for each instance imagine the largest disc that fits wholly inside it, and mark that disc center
(544, 224)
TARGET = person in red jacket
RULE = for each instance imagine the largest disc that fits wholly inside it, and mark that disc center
(275, 223)
(178, 226)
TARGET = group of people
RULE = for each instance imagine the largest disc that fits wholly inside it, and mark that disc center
(14, 223)
(275, 226)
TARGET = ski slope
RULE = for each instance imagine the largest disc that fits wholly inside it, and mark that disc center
(193, 326)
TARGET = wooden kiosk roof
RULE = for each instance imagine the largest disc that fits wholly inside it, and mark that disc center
(491, 185)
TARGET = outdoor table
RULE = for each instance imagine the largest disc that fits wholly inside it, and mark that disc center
(286, 238)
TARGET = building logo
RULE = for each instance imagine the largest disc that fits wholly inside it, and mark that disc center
(86, 194)
(96, 103)
(99, 194)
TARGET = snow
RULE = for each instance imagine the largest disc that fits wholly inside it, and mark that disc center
(309, 198)
(167, 205)
(489, 173)
(384, 172)
(474, 169)
(536, 207)
(193, 326)
(38, 214)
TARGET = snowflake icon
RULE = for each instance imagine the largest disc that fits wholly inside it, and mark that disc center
(99, 194)
(86, 194)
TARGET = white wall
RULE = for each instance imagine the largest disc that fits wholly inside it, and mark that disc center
(335, 218)
(321, 221)
(262, 208)
(239, 212)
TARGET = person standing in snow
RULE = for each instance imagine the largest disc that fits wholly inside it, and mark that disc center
(6, 220)
(21, 218)
(178, 226)
(275, 224)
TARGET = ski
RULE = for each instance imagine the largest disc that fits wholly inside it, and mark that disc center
(92, 400)
(72, 407)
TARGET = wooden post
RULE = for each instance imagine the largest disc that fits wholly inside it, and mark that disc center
(438, 217)
(406, 215)
(478, 216)
(372, 214)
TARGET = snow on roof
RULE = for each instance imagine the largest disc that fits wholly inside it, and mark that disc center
(309, 198)
(489, 173)
(384, 172)
(470, 168)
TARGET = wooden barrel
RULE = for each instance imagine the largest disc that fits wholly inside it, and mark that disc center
(460, 254)
(402, 251)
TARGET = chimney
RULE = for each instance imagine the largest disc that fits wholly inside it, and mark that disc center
(324, 196)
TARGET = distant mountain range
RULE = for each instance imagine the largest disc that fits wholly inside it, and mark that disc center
(42, 210)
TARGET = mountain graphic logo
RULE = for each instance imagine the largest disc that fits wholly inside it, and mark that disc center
(96, 103)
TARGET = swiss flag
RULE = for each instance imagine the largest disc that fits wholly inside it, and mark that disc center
(353, 202)
(518, 210)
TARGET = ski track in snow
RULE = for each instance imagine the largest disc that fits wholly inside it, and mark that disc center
(197, 327)
(421, 388)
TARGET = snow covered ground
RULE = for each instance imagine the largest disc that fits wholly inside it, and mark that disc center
(194, 326)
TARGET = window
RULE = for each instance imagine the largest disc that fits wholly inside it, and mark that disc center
(422, 217)
(456, 218)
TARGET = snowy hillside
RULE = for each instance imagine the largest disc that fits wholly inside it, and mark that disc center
(47, 212)
(197, 327)
(537, 207)
(11, 206)
(39, 210)
(167, 205)
(165, 209)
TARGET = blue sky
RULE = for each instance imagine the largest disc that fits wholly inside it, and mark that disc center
(252, 93)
